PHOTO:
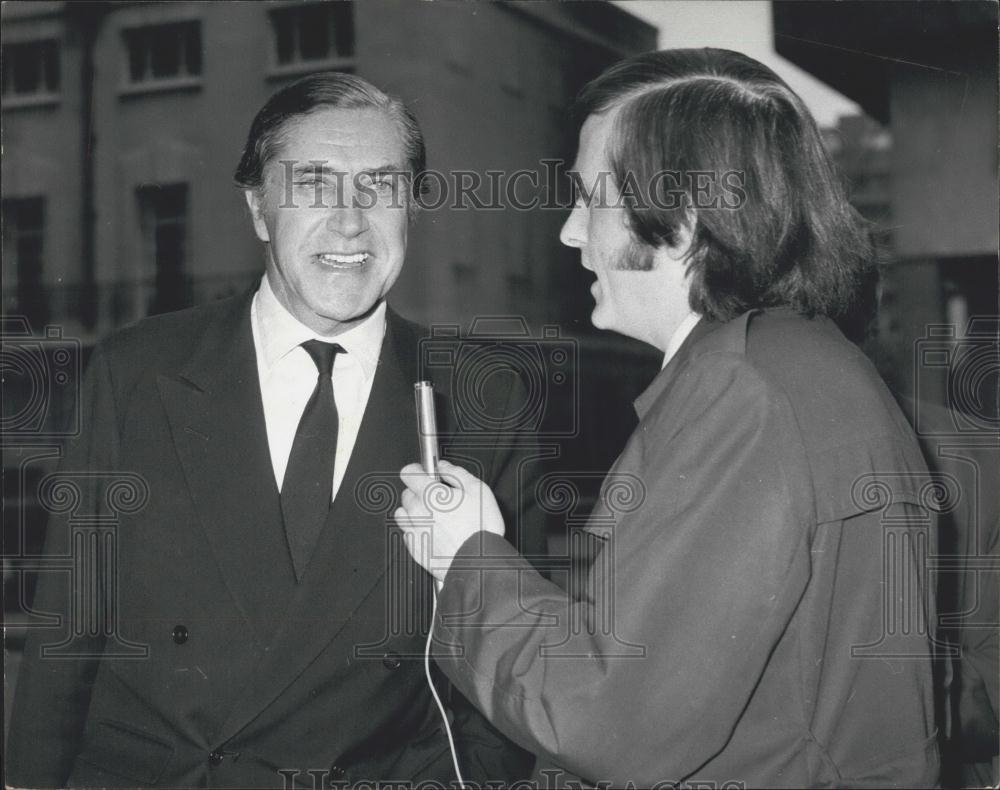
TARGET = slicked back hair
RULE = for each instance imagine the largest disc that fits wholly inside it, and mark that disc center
(792, 240)
(325, 90)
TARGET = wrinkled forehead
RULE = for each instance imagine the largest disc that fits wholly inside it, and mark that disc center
(347, 139)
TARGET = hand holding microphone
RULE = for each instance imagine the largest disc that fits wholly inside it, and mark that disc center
(443, 505)
(436, 488)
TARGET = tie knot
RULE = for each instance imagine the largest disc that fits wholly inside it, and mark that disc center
(322, 355)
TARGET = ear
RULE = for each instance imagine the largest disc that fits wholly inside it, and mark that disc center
(255, 204)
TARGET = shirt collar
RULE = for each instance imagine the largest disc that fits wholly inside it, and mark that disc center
(679, 336)
(687, 338)
(280, 332)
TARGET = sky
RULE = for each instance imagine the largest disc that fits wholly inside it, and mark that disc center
(744, 26)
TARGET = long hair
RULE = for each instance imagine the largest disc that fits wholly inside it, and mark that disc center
(772, 226)
(315, 92)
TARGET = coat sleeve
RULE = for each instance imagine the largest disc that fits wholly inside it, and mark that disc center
(512, 465)
(52, 694)
(644, 678)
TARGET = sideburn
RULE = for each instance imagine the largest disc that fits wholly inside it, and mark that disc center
(638, 257)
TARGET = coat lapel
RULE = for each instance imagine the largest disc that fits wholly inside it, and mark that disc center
(354, 549)
(217, 420)
(603, 517)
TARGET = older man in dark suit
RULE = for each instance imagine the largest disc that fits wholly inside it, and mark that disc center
(759, 614)
(275, 623)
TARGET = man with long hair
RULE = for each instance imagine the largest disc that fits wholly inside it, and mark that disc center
(759, 613)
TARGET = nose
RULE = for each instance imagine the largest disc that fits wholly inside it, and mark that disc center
(574, 229)
(347, 221)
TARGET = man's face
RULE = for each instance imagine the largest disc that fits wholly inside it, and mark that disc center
(640, 291)
(333, 212)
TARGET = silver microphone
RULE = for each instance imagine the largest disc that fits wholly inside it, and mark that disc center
(423, 395)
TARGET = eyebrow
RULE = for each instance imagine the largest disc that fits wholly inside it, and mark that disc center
(394, 167)
(313, 169)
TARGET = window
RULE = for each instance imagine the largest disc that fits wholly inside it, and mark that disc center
(163, 215)
(168, 52)
(23, 240)
(313, 33)
(30, 68)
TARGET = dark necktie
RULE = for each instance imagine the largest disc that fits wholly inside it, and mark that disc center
(308, 484)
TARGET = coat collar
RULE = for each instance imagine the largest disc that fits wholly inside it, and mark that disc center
(707, 335)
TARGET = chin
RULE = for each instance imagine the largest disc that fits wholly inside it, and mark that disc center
(346, 313)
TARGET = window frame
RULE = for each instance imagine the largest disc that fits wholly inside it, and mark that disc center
(150, 84)
(299, 66)
(151, 220)
(16, 234)
(39, 98)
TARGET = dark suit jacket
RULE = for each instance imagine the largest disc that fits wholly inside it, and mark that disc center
(221, 670)
(759, 611)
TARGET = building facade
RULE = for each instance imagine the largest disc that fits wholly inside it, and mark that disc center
(122, 126)
(123, 123)
(928, 73)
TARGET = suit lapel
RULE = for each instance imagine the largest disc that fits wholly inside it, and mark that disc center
(217, 420)
(353, 553)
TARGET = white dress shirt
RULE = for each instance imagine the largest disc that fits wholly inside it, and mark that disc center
(288, 376)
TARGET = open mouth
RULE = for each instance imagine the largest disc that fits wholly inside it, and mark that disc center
(338, 261)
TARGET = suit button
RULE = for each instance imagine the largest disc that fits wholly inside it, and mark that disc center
(391, 661)
(336, 772)
(180, 634)
(216, 758)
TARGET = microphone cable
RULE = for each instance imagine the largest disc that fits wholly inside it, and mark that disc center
(430, 682)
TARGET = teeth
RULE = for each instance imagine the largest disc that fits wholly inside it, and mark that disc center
(329, 257)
